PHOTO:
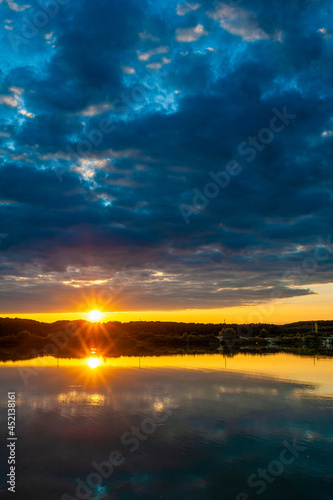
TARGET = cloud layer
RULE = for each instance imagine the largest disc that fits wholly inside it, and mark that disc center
(115, 117)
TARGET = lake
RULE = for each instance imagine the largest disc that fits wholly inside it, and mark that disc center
(186, 427)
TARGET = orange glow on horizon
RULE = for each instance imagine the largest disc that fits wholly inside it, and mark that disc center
(303, 308)
(242, 316)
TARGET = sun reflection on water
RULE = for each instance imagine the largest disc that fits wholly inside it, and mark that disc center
(74, 398)
(314, 369)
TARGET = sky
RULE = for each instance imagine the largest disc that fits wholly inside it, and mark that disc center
(166, 160)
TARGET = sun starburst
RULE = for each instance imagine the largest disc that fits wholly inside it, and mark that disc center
(95, 315)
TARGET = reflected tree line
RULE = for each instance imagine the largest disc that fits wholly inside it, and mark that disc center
(21, 338)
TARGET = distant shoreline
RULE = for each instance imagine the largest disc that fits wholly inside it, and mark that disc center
(62, 317)
(20, 338)
(67, 320)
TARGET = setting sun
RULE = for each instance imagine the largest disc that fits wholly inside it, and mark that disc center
(95, 315)
(93, 363)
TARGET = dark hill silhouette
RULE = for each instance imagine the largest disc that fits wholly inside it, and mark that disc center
(145, 329)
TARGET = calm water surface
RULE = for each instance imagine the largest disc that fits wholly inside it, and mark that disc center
(183, 427)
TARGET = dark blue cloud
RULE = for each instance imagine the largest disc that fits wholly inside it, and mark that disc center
(115, 116)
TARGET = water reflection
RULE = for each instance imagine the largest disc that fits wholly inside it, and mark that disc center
(223, 424)
(317, 370)
(75, 398)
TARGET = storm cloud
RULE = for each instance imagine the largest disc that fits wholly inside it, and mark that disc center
(168, 155)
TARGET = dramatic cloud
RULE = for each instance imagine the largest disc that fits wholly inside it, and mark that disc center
(183, 9)
(164, 156)
(190, 34)
(241, 22)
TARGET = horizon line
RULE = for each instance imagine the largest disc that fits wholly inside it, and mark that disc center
(158, 321)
